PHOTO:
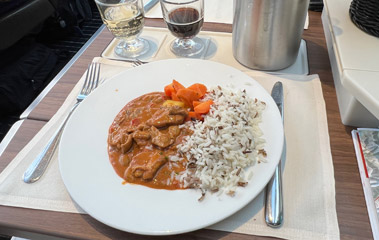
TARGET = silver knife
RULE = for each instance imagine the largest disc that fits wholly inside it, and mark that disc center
(149, 5)
(274, 195)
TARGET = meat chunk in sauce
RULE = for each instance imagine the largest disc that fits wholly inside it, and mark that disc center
(124, 160)
(145, 165)
(164, 140)
(168, 116)
(121, 140)
(142, 138)
(176, 110)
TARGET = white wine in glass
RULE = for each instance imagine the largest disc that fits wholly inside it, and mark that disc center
(125, 20)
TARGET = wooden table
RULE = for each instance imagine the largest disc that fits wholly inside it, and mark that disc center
(351, 208)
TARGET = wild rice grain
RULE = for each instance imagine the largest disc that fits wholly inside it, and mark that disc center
(219, 160)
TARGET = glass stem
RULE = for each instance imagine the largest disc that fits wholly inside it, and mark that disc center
(129, 43)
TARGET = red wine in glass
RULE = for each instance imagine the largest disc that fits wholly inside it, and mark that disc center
(184, 19)
(185, 22)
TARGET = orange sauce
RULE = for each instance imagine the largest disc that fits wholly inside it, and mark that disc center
(135, 113)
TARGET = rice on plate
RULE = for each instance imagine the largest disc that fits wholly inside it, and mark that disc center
(225, 144)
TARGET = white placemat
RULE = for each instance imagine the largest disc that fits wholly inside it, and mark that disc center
(308, 176)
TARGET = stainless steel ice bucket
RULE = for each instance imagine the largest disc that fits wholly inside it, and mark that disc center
(267, 33)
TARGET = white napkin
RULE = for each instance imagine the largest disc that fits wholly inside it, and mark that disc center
(308, 177)
(218, 11)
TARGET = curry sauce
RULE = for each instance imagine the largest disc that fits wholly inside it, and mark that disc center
(143, 140)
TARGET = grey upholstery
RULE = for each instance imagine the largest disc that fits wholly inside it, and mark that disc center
(22, 20)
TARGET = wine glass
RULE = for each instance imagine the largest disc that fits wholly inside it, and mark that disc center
(125, 20)
(184, 19)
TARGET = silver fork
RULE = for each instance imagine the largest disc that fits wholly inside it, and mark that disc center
(39, 165)
(137, 63)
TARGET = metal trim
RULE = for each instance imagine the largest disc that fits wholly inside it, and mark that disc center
(12, 131)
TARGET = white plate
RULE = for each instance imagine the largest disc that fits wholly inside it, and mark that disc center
(94, 185)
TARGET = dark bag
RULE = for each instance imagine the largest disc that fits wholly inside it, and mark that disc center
(22, 81)
(72, 13)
